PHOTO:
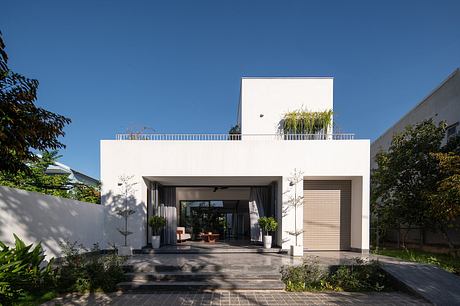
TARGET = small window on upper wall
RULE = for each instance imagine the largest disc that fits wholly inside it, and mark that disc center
(451, 130)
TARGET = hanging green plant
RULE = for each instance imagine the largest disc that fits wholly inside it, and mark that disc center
(305, 122)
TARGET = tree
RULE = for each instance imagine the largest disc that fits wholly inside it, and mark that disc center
(24, 127)
(294, 202)
(127, 189)
(36, 179)
(406, 174)
(445, 201)
(86, 193)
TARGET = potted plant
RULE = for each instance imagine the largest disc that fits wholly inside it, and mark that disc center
(268, 225)
(156, 223)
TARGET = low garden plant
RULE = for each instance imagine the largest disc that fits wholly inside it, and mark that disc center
(27, 279)
(358, 276)
(23, 271)
(83, 271)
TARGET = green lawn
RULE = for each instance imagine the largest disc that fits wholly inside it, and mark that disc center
(447, 262)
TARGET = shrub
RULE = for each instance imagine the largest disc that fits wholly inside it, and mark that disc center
(88, 272)
(359, 276)
(268, 224)
(308, 276)
(157, 223)
(23, 271)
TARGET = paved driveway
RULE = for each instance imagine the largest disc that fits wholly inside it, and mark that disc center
(240, 298)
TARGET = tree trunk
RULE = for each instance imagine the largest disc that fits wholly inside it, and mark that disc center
(422, 238)
(452, 250)
(405, 236)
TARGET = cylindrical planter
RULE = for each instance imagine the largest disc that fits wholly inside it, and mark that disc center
(125, 251)
(296, 250)
(267, 242)
(156, 242)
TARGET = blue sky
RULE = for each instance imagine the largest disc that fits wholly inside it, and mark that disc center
(175, 66)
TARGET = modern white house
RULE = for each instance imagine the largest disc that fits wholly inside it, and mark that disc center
(248, 174)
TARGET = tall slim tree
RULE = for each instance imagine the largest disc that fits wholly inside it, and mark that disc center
(24, 127)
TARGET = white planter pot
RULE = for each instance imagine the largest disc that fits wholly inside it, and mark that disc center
(125, 251)
(296, 250)
(156, 242)
(267, 242)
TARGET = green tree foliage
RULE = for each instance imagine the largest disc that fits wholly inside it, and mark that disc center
(86, 193)
(445, 201)
(413, 184)
(36, 179)
(24, 127)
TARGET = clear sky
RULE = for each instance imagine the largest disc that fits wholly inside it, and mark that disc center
(175, 66)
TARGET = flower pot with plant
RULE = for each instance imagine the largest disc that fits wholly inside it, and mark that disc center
(268, 225)
(157, 223)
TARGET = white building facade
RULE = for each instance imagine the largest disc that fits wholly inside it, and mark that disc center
(234, 172)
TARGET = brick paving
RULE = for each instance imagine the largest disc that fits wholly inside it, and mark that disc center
(240, 298)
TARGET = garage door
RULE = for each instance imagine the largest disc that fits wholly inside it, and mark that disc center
(327, 215)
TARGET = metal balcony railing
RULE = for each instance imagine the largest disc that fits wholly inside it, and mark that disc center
(232, 137)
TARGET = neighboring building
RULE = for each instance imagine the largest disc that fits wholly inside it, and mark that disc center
(247, 176)
(442, 104)
(74, 175)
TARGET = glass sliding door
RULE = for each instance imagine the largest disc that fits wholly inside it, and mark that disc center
(219, 217)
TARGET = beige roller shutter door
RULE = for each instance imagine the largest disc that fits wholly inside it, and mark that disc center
(327, 215)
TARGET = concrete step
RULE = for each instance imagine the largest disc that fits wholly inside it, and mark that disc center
(186, 250)
(244, 268)
(212, 284)
(200, 276)
(148, 267)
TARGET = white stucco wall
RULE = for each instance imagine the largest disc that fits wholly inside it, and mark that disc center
(246, 158)
(443, 104)
(273, 97)
(36, 217)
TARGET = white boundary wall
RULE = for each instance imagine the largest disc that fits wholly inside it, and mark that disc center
(36, 217)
